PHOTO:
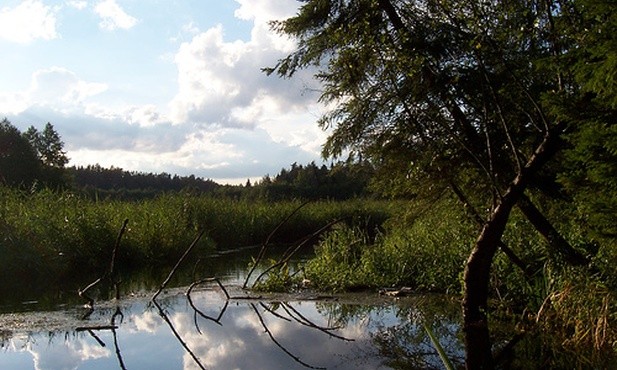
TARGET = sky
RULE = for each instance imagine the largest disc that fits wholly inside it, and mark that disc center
(160, 85)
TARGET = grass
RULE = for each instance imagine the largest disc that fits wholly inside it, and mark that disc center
(47, 237)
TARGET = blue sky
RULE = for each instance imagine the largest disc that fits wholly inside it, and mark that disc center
(160, 85)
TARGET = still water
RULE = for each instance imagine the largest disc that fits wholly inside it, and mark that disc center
(207, 330)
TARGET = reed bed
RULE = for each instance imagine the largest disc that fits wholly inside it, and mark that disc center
(46, 236)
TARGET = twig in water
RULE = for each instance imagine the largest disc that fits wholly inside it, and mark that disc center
(107, 274)
(290, 253)
(262, 251)
(173, 271)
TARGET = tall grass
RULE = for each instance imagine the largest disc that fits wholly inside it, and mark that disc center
(427, 254)
(46, 236)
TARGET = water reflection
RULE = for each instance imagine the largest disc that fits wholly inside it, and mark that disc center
(209, 332)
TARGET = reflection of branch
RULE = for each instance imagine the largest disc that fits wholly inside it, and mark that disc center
(177, 335)
(294, 357)
(197, 311)
(274, 313)
(290, 253)
(262, 251)
(113, 331)
(112, 327)
(302, 320)
(173, 271)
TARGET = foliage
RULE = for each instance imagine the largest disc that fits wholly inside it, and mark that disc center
(425, 253)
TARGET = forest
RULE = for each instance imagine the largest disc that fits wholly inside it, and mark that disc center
(488, 138)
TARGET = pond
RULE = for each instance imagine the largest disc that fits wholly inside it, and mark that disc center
(207, 330)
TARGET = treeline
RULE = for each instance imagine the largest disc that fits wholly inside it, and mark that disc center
(36, 159)
(343, 180)
(339, 181)
(116, 183)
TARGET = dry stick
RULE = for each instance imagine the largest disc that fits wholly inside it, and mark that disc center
(177, 335)
(262, 251)
(300, 245)
(109, 273)
(173, 271)
(114, 253)
(294, 357)
(98, 327)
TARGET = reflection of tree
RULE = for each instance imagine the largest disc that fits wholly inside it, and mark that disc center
(406, 344)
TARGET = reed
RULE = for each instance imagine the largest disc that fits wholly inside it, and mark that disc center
(51, 235)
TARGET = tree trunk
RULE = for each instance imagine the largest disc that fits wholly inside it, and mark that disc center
(556, 242)
(477, 270)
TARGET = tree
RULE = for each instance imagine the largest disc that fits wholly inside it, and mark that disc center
(49, 148)
(19, 165)
(48, 145)
(473, 94)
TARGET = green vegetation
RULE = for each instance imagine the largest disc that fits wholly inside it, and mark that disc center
(496, 121)
(509, 105)
(48, 236)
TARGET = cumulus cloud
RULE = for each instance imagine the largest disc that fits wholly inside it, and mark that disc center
(113, 16)
(227, 120)
(54, 87)
(28, 21)
(221, 82)
(59, 85)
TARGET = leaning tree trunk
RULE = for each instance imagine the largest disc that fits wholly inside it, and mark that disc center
(478, 267)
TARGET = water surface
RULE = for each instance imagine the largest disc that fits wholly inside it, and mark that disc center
(206, 330)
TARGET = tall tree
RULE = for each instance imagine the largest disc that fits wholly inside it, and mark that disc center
(19, 165)
(445, 91)
(48, 145)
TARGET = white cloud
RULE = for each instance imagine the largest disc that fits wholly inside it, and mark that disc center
(28, 21)
(54, 87)
(77, 4)
(263, 11)
(113, 16)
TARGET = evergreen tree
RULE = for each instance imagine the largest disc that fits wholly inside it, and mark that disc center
(19, 165)
(478, 96)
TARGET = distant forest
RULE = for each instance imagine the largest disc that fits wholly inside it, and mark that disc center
(338, 181)
(36, 160)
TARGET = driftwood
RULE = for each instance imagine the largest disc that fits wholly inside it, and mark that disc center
(264, 246)
(173, 271)
(109, 274)
(290, 252)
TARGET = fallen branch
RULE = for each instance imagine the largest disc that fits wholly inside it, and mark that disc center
(264, 246)
(173, 271)
(110, 273)
(288, 254)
